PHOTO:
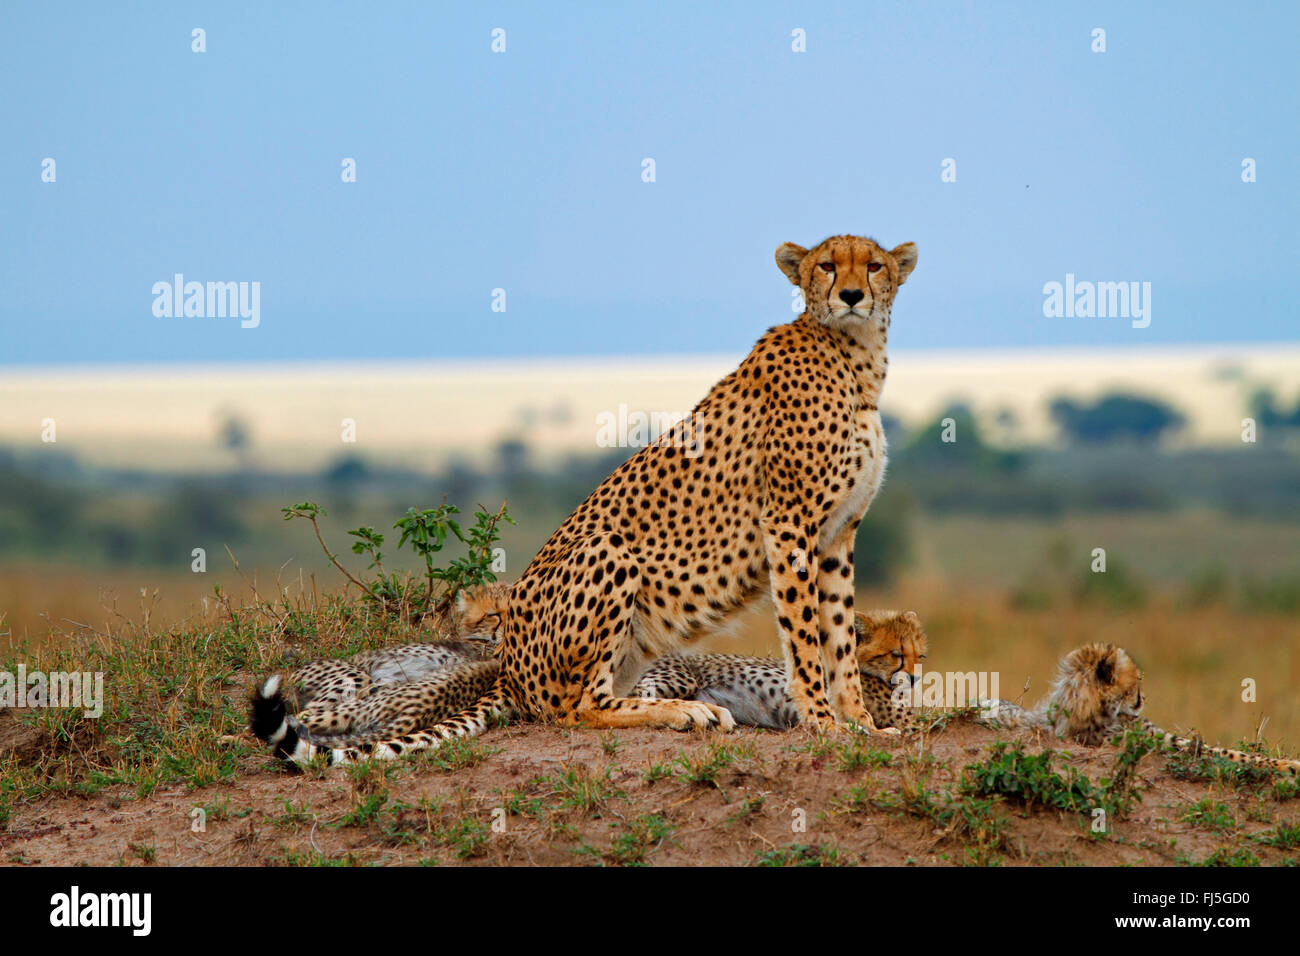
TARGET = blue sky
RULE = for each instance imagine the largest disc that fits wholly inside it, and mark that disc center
(522, 171)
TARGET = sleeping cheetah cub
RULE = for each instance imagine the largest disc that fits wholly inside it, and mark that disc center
(890, 643)
(346, 727)
(340, 705)
(1098, 694)
(480, 610)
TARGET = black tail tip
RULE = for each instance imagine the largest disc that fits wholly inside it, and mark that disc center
(267, 711)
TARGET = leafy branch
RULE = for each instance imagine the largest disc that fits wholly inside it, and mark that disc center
(311, 511)
(426, 532)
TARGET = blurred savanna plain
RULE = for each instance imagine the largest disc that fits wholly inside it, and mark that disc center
(1008, 472)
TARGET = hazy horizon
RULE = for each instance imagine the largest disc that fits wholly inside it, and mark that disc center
(423, 412)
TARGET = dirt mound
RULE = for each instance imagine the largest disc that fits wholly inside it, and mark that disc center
(17, 738)
(535, 794)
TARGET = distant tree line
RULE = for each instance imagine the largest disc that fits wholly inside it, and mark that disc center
(1112, 459)
(1113, 418)
(1266, 412)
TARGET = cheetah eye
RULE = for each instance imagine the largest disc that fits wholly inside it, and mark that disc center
(826, 266)
(873, 267)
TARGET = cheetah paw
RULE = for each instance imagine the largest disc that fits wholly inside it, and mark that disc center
(697, 714)
(868, 727)
(821, 725)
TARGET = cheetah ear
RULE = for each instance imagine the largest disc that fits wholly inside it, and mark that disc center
(1106, 667)
(905, 257)
(788, 257)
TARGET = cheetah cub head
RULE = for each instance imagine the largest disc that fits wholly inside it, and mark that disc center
(848, 282)
(481, 610)
(1095, 685)
(890, 643)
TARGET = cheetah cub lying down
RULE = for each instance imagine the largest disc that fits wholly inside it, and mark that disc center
(345, 706)
(1097, 694)
(753, 689)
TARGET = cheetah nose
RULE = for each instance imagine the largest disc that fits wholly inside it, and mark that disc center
(851, 297)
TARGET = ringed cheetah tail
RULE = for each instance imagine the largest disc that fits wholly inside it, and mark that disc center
(293, 742)
(1196, 746)
(290, 739)
(271, 722)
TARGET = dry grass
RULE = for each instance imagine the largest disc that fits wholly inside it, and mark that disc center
(176, 656)
(174, 692)
(41, 602)
(1195, 659)
(171, 739)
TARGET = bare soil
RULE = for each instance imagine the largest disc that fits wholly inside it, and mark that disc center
(541, 795)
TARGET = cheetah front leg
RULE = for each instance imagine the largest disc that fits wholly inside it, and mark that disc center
(648, 705)
(838, 639)
(791, 559)
(619, 712)
(594, 629)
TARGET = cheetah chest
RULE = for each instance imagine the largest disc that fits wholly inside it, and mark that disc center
(862, 471)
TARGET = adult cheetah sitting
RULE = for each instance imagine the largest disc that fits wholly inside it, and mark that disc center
(760, 489)
(1097, 694)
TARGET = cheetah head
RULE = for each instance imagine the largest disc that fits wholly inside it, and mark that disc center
(890, 643)
(481, 610)
(848, 282)
(1101, 676)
